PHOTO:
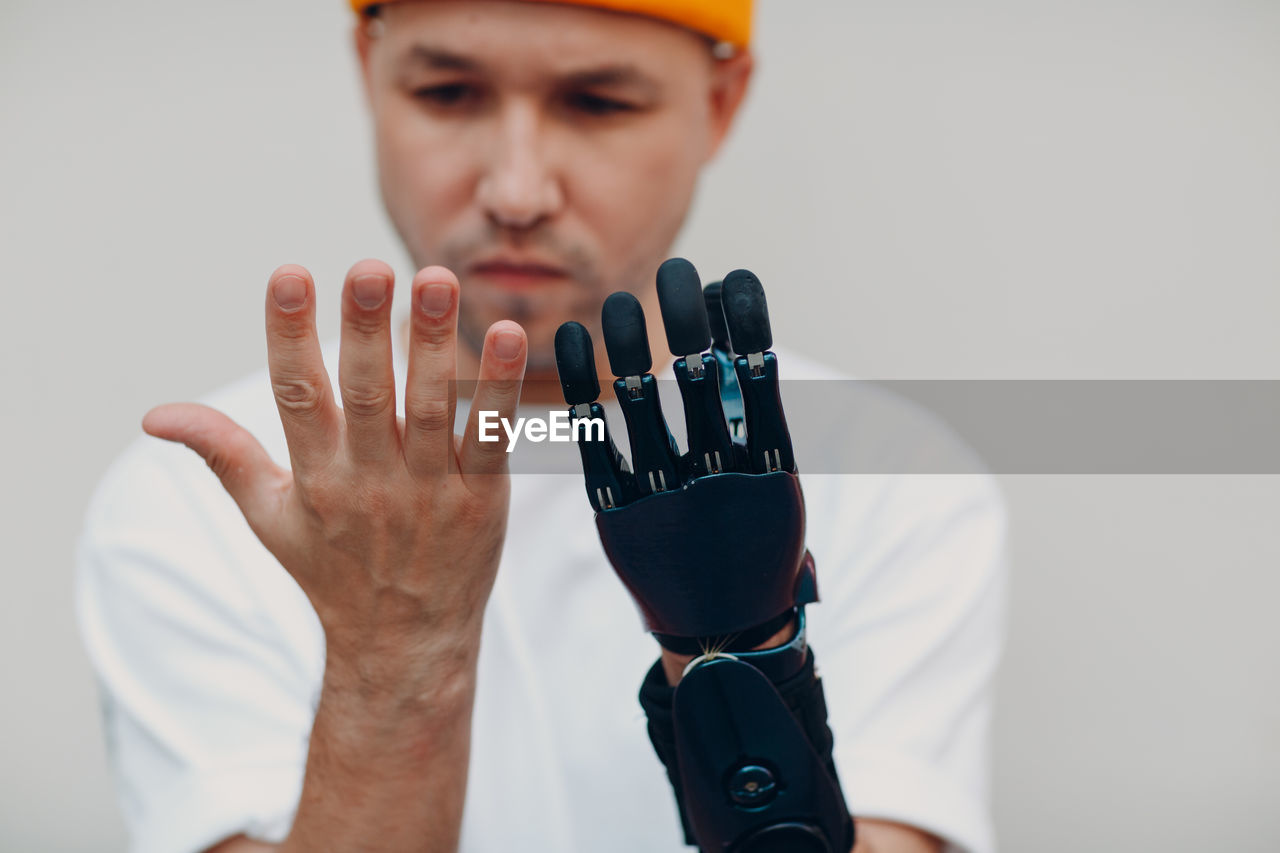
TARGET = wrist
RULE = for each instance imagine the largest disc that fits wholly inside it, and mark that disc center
(389, 664)
(389, 748)
(673, 664)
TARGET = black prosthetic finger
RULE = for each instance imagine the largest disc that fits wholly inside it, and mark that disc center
(653, 451)
(608, 479)
(747, 316)
(576, 364)
(722, 350)
(684, 310)
(684, 316)
(746, 313)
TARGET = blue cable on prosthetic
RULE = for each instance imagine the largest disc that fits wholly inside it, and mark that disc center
(730, 396)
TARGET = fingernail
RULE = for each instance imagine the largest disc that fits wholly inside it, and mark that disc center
(370, 291)
(434, 299)
(290, 292)
(506, 345)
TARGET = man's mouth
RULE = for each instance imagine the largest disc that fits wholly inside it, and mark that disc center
(517, 273)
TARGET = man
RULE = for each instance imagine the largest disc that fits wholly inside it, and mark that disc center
(341, 639)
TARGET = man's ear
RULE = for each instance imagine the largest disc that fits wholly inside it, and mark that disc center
(729, 79)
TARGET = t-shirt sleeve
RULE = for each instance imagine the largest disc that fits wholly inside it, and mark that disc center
(912, 571)
(207, 701)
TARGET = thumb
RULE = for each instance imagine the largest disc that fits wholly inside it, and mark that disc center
(235, 456)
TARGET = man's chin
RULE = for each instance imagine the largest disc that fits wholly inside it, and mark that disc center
(541, 333)
(542, 356)
(540, 314)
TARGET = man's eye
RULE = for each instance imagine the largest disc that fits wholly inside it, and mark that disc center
(446, 95)
(597, 105)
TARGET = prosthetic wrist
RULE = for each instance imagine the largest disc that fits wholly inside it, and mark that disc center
(710, 543)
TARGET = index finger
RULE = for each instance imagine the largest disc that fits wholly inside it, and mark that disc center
(304, 395)
(502, 363)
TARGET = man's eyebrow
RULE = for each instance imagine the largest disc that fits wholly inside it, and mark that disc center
(438, 58)
(612, 75)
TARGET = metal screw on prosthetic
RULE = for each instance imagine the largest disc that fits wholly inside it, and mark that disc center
(747, 316)
(684, 316)
(654, 456)
(608, 479)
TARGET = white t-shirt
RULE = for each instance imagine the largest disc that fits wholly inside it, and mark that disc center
(210, 657)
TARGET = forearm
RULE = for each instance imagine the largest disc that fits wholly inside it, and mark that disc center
(387, 767)
(873, 836)
(877, 836)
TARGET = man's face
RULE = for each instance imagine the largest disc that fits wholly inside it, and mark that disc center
(547, 154)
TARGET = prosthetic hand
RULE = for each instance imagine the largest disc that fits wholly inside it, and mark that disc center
(710, 543)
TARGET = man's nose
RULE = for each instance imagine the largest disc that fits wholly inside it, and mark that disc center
(519, 188)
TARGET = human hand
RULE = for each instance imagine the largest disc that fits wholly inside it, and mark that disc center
(392, 527)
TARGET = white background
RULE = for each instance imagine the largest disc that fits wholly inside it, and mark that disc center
(929, 189)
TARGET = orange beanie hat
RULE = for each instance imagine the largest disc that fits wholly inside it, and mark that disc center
(723, 20)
